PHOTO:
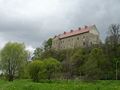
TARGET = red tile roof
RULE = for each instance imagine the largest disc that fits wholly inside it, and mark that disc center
(75, 32)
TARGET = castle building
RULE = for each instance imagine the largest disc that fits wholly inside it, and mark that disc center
(81, 37)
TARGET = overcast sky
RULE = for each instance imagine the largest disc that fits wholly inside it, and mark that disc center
(33, 21)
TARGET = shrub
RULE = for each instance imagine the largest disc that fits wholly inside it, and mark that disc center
(36, 70)
(52, 66)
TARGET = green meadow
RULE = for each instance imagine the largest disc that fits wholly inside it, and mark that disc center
(59, 85)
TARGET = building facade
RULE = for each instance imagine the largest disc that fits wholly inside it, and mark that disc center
(82, 37)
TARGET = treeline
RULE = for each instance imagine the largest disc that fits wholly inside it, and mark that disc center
(99, 62)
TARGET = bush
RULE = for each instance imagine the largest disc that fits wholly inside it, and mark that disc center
(52, 66)
(36, 70)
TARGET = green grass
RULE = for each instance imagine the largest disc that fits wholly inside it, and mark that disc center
(59, 85)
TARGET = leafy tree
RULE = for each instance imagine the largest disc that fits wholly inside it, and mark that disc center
(95, 65)
(52, 66)
(66, 63)
(37, 54)
(50, 53)
(13, 58)
(78, 60)
(24, 74)
(63, 55)
(48, 44)
(36, 70)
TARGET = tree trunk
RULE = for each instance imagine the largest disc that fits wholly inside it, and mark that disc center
(10, 77)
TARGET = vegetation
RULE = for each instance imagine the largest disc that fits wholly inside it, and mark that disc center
(94, 66)
(72, 66)
(48, 44)
(36, 69)
(89, 63)
(51, 66)
(13, 58)
(37, 54)
(46, 69)
(60, 85)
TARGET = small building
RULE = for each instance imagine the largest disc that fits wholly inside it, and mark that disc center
(81, 37)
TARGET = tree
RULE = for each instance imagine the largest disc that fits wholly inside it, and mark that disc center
(112, 45)
(113, 39)
(48, 44)
(37, 54)
(13, 57)
(36, 70)
(50, 53)
(52, 66)
(95, 65)
(65, 56)
(78, 59)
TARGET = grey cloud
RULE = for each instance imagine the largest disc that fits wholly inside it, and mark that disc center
(33, 22)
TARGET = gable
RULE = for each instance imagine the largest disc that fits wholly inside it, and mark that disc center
(94, 30)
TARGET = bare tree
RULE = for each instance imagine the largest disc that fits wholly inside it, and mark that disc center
(114, 34)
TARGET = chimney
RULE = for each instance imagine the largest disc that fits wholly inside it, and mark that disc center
(64, 32)
(71, 30)
(79, 28)
(86, 27)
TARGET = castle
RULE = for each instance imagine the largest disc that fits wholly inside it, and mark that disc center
(81, 37)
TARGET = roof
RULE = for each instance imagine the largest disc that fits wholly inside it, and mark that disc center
(75, 32)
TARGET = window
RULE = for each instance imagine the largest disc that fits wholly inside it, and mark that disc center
(83, 37)
(83, 43)
(91, 43)
(62, 41)
(77, 38)
(68, 39)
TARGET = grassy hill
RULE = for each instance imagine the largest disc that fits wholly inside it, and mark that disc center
(59, 85)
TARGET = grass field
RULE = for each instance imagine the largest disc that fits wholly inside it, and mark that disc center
(61, 85)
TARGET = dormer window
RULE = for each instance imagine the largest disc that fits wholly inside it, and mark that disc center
(86, 27)
(64, 32)
(79, 28)
(71, 30)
